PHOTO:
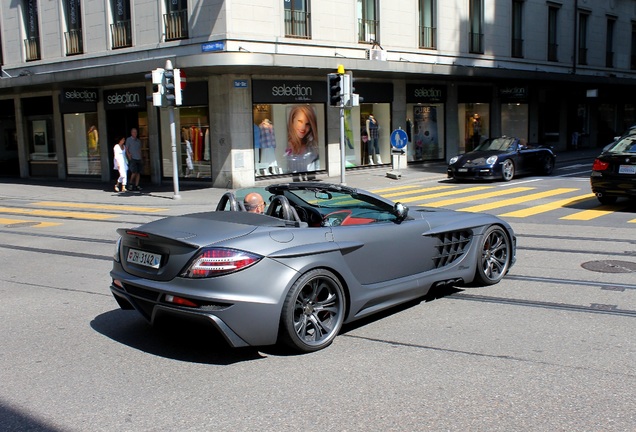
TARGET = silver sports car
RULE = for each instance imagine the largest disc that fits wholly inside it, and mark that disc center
(320, 256)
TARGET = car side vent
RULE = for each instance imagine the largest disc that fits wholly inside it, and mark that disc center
(452, 245)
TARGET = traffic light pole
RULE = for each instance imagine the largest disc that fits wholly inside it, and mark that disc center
(342, 146)
(173, 141)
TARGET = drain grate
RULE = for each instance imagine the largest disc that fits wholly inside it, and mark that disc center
(610, 266)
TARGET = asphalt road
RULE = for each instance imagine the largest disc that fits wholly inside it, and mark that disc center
(549, 348)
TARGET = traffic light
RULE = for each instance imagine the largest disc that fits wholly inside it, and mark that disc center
(169, 88)
(157, 86)
(335, 88)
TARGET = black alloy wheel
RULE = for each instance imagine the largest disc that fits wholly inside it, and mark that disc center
(494, 259)
(313, 311)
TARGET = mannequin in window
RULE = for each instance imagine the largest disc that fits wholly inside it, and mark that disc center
(373, 145)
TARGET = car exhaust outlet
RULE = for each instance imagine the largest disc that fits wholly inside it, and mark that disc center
(599, 195)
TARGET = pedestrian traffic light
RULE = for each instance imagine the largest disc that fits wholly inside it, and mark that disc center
(157, 86)
(169, 88)
(335, 87)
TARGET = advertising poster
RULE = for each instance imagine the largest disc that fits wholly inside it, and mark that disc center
(426, 142)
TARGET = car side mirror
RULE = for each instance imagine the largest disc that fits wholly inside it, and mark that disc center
(401, 211)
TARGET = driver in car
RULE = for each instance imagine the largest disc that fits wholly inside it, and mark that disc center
(254, 203)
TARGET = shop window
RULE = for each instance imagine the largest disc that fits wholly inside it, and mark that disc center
(297, 19)
(82, 141)
(425, 130)
(42, 154)
(474, 124)
(288, 138)
(193, 149)
(514, 120)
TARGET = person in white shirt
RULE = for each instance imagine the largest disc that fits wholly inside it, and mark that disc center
(121, 165)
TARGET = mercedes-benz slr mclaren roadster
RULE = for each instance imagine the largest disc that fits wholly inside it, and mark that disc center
(320, 256)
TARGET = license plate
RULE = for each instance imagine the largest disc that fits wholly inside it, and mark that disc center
(144, 258)
(627, 169)
(462, 169)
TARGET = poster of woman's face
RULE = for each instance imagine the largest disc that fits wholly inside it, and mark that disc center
(302, 139)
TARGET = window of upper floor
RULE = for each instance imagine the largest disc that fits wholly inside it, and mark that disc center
(175, 20)
(72, 16)
(609, 41)
(517, 29)
(476, 26)
(632, 61)
(31, 26)
(584, 18)
(297, 19)
(120, 27)
(368, 21)
(428, 24)
(553, 33)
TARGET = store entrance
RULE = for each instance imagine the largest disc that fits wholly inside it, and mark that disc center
(119, 123)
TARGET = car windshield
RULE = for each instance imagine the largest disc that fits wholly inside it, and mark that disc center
(338, 200)
(626, 144)
(496, 144)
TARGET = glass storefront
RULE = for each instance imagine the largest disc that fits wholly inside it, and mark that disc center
(81, 138)
(192, 127)
(474, 125)
(425, 122)
(514, 120)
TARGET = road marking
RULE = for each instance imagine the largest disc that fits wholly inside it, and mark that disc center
(476, 197)
(99, 206)
(8, 222)
(531, 211)
(441, 194)
(518, 200)
(57, 213)
(394, 188)
(587, 215)
(433, 188)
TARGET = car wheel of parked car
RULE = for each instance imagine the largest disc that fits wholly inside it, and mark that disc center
(507, 170)
(496, 252)
(548, 166)
(604, 199)
(313, 311)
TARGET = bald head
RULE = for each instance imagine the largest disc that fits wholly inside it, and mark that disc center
(254, 202)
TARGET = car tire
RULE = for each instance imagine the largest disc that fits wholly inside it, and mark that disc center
(548, 166)
(494, 257)
(507, 170)
(604, 199)
(313, 311)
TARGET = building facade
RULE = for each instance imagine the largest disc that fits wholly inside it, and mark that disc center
(255, 102)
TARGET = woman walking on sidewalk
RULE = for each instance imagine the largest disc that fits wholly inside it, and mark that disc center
(121, 164)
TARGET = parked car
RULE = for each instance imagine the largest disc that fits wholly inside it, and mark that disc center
(502, 158)
(321, 255)
(614, 170)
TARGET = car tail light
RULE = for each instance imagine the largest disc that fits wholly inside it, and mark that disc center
(599, 165)
(218, 261)
(180, 301)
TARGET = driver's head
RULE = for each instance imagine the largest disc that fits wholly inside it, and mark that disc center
(254, 202)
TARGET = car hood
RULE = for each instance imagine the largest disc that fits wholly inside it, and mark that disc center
(475, 155)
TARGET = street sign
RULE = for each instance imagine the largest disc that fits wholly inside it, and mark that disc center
(399, 139)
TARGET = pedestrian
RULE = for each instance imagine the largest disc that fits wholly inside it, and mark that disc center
(120, 164)
(133, 151)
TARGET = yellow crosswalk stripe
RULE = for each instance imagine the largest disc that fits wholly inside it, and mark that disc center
(517, 200)
(543, 208)
(442, 194)
(476, 197)
(99, 206)
(401, 193)
(394, 188)
(587, 215)
(57, 213)
(5, 222)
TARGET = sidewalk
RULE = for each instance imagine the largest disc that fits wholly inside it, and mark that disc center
(201, 197)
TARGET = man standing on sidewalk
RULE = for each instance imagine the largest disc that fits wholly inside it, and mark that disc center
(135, 163)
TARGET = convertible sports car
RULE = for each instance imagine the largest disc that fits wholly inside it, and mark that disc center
(322, 255)
(502, 158)
(614, 170)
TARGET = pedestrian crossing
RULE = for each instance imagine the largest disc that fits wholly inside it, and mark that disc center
(36, 214)
(503, 202)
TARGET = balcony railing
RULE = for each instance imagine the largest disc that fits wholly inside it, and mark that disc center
(517, 48)
(297, 24)
(32, 48)
(176, 25)
(428, 37)
(368, 31)
(120, 34)
(553, 50)
(476, 43)
(582, 56)
(73, 42)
